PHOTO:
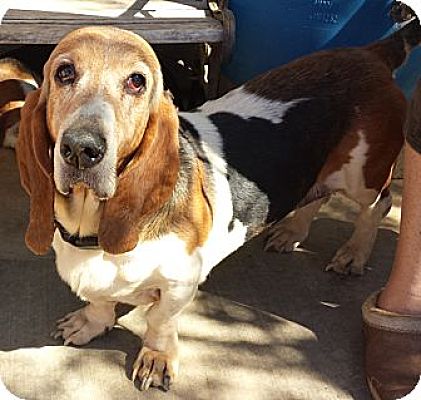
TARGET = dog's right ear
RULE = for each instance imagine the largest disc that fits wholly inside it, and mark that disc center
(34, 156)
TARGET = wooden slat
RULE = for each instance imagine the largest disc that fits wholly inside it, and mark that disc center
(46, 32)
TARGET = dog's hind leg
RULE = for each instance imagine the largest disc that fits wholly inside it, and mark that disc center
(354, 254)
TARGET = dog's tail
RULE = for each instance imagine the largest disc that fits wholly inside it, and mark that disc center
(394, 49)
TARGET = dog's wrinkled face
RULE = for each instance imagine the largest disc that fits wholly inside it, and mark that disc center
(100, 95)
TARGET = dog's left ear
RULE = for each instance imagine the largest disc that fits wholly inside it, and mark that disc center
(36, 172)
(146, 183)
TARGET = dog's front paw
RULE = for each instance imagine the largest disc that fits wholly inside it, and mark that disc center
(75, 328)
(155, 368)
(284, 237)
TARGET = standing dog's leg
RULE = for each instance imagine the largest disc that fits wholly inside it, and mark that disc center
(157, 362)
(288, 233)
(353, 255)
(81, 326)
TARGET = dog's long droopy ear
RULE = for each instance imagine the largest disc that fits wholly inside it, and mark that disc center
(36, 172)
(146, 183)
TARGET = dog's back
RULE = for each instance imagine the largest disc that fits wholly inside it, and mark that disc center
(295, 125)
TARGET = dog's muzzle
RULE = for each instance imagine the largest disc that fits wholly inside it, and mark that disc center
(86, 151)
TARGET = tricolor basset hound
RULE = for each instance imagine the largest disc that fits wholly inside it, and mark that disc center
(139, 202)
(15, 83)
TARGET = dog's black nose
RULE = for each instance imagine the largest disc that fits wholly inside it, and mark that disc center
(82, 149)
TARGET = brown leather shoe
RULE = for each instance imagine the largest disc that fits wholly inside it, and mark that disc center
(392, 353)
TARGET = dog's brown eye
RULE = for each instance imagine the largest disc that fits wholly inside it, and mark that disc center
(66, 74)
(136, 83)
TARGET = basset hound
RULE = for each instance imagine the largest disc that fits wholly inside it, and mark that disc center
(15, 83)
(140, 202)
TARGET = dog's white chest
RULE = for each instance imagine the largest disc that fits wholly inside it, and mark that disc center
(96, 275)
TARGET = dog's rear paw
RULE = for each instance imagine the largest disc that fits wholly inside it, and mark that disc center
(348, 260)
(75, 328)
(154, 368)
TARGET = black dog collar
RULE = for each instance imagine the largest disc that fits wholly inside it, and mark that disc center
(85, 242)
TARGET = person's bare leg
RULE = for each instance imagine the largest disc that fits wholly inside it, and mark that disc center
(402, 293)
(392, 320)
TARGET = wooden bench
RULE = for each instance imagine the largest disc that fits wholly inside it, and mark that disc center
(157, 21)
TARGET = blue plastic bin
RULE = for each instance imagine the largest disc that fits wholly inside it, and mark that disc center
(273, 32)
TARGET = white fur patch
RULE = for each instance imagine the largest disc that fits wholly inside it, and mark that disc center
(211, 140)
(249, 105)
(350, 177)
(220, 244)
(31, 82)
(97, 275)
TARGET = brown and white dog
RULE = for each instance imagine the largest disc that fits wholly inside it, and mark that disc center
(140, 203)
(15, 83)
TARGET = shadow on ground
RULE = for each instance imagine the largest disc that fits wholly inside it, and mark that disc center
(294, 287)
